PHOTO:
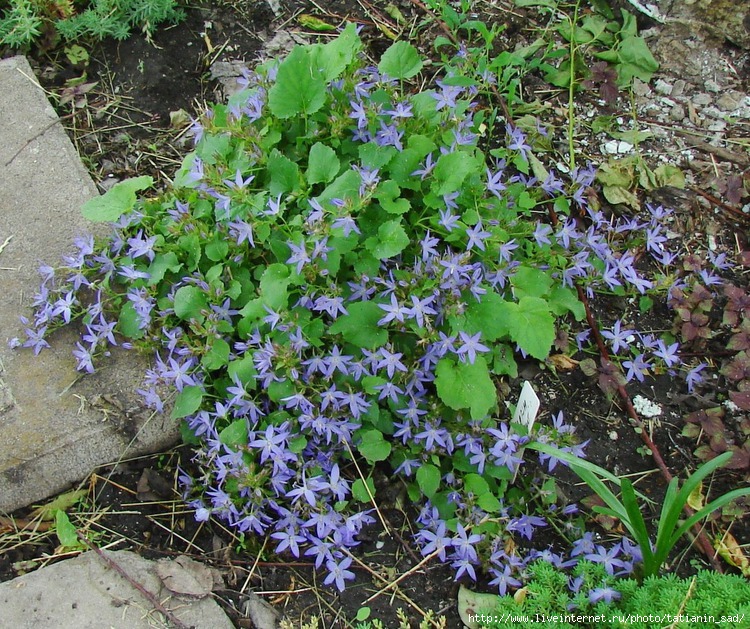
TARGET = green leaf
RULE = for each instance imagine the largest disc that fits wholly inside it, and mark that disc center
(390, 241)
(128, 322)
(189, 302)
(636, 60)
(335, 56)
(273, 285)
(243, 369)
(563, 299)
(389, 195)
(530, 324)
(428, 479)
(359, 490)
(217, 249)
(314, 23)
(187, 402)
(322, 164)
(466, 386)
(162, 263)
(475, 484)
(300, 87)
(217, 356)
(62, 503)
(65, 531)
(360, 326)
(284, 174)
(450, 172)
(373, 447)
(235, 434)
(530, 281)
(481, 316)
(118, 200)
(489, 503)
(400, 61)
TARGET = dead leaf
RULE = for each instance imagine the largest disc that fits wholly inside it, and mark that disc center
(63, 502)
(186, 577)
(263, 614)
(152, 487)
(731, 552)
(563, 362)
(470, 604)
(695, 499)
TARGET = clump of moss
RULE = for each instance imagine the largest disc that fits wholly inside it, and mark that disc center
(591, 598)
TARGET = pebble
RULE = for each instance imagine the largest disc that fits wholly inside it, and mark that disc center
(712, 86)
(663, 87)
(677, 113)
(640, 88)
(730, 101)
(701, 99)
(678, 88)
(617, 147)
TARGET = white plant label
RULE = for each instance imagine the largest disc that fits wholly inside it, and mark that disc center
(527, 407)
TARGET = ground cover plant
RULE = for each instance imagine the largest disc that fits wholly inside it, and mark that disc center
(343, 273)
(25, 22)
(592, 598)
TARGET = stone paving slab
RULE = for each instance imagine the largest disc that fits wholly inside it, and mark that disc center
(86, 593)
(52, 431)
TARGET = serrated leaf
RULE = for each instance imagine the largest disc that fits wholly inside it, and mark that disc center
(118, 200)
(389, 196)
(466, 386)
(450, 172)
(162, 263)
(481, 316)
(563, 299)
(530, 324)
(187, 402)
(390, 241)
(300, 87)
(284, 174)
(322, 165)
(273, 285)
(400, 61)
(334, 57)
(360, 326)
(529, 281)
(428, 479)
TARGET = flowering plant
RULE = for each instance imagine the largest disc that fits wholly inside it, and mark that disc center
(341, 274)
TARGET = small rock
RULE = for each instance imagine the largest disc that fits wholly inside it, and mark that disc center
(701, 100)
(730, 101)
(712, 112)
(677, 113)
(678, 88)
(617, 147)
(640, 88)
(663, 87)
(712, 86)
(186, 577)
(262, 614)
